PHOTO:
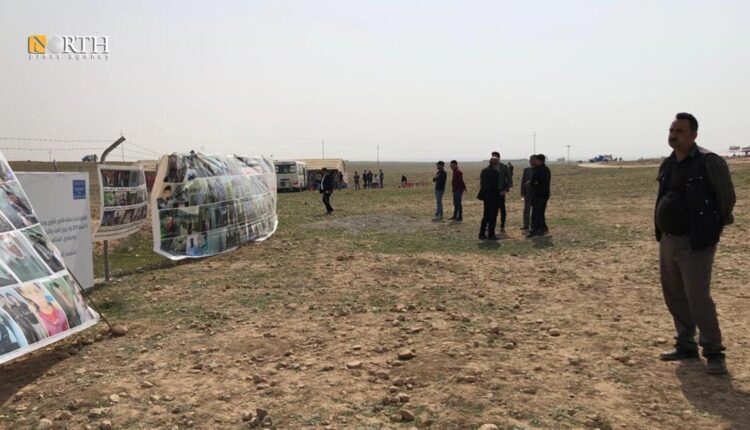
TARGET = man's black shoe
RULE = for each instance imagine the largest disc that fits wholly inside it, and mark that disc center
(678, 354)
(451, 218)
(533, 234)
(482, 237)
(524, 228)
(493, 237)
(716, 365)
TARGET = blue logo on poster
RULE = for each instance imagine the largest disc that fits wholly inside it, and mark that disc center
(79, 189)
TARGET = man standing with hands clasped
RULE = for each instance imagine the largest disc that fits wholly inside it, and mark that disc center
(695, 202)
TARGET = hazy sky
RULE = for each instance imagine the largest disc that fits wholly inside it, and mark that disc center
(425, 80)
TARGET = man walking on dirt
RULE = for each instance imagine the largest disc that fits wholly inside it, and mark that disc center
(504, 183)
(439, 179)
(459, 186)
(326, 188)
(695, 201)
(489, 193)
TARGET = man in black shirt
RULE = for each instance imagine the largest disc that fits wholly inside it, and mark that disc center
(539, 193)
(526, 194)
(695, 202)
(440, 178)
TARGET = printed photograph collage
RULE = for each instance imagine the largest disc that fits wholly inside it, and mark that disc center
(210, 204)
(38, 298)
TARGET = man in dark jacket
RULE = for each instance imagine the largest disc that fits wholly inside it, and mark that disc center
(459, 186)
(695, 201)
(526, 195)
(440, 178)
(505, 182)
(489, 193)
(326, 188)
(540, 192)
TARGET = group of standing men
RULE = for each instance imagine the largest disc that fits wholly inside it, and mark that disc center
(496, 180)
(367, 179)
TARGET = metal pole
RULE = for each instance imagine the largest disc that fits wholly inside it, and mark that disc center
(378, 156)
(323, 142)
(568, 153)
(106, 242)
(534, 143)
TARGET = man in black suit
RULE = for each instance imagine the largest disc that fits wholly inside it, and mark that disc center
(540, 192)
(489, 193)
(326, 188)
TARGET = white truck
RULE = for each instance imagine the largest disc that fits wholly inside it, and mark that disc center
(291, 175)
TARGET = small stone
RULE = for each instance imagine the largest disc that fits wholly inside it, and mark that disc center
(403, 397)
(509, 345)
(354, 365)
(328, 368)
(45, 424)
(440, 308)
(105, 425)
(114, 398)
(96, 413)
(467, 379)
(489, 427)
(147, 384)
(119, 330)
(495, 329)
(407, 415)
(63, 415)
(554, 332)
(406, 354)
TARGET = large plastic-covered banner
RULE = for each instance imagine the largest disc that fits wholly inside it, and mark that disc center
(209, 204)
(124, 201)
(40, 302)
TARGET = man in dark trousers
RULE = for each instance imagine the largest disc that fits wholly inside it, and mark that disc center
(326, 188)
(489, 193)
(695, 201)
(540, 192)
(505, 182)
(525, 194)
(459, 186)
(440, 178)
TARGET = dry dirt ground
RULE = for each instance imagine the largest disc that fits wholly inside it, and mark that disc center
(377, 318)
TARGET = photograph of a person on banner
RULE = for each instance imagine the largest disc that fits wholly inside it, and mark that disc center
(11, 337)
(46, 307)
(26, 318)
(20, 259)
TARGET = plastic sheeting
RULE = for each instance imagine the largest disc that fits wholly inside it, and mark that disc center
(204, 205)
(124, 201)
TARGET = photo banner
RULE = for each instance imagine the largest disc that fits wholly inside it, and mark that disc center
(204, 205)
(40, 303)
(124, 201)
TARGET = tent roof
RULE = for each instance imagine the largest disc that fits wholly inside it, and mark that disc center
(328, 163)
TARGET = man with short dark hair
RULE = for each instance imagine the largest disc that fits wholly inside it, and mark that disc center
(504, 183)
(540, 192)
(489, 193)
(525, 193)
(440, 178)
(326, 188)
(459, 186)
(695, 201)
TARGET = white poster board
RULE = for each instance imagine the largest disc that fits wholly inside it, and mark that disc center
(124, 201)
(61, 201)
(40, 303)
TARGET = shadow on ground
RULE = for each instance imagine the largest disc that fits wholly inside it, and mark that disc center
(715, 395)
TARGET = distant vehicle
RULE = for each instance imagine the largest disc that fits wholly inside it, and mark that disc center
(90, 157)
(291, 175)
(602, 158)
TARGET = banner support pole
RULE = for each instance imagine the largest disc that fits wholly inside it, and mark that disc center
(106, 242)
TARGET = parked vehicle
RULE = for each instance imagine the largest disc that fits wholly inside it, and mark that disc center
(291, 175)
